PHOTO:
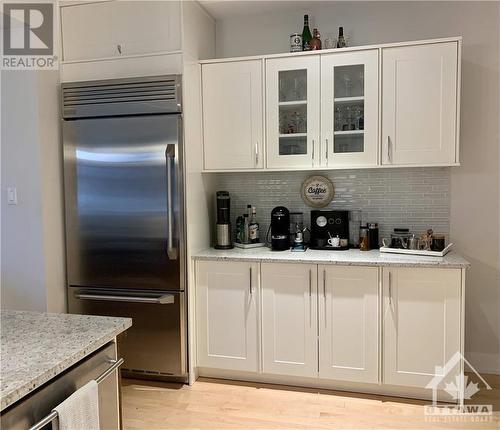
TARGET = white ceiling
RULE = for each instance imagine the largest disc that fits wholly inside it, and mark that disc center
(221, 9)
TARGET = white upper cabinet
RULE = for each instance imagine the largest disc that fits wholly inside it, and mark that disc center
(348, 323)
(233, 115)
(393, 105)
(419, 104)
(349, 109)
(293, 112)
(422, 324)
(227, 297)
(289, 319)
(92, 31)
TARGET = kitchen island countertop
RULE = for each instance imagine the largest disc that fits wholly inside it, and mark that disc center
(351, 257)
(36, 347)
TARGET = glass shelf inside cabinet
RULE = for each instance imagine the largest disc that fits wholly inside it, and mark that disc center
(349, 81)
(348, 143)
(293, 144)
(292, 106)
(292, 86)
(349, 103)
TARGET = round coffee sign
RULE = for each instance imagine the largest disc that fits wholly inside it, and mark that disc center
(317, 191)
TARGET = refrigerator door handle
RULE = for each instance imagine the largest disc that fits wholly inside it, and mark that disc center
(165, 299)
(170, 159)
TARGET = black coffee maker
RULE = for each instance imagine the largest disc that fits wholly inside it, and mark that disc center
(280, 229)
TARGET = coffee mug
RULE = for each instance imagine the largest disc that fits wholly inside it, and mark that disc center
(334, 242)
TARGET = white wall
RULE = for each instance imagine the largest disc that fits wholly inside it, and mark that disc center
(32, 248)
(22, 268)
(475, 195)
(198, 43)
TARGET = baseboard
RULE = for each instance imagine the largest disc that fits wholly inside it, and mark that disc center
(353, 387)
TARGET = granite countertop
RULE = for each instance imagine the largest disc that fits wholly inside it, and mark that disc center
(35, 347)
(351, 257)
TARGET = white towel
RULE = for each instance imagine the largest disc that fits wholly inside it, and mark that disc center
(80, 411)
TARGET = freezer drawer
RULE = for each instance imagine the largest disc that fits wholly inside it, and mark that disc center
(155, 344)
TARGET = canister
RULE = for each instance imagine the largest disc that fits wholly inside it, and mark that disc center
(373, 235)
(295, 42)
(364, 239)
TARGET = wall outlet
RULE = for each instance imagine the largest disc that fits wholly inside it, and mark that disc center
(12, 196)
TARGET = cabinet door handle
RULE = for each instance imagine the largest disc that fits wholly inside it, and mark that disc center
(310, 283)
(389, 149)
(326, 153)
(310, 297)
(256, 154)
(324, 284)
(390, 289)
(313, 148)
(119, 48)
(250, 282)
(324, 296)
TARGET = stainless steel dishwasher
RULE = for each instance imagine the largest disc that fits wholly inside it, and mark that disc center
(34, 410)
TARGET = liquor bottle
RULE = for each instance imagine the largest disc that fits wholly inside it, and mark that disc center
(240, 229)
(306, 35)
(246, 229)
(341, 40)
(254, 228)
(316, 41)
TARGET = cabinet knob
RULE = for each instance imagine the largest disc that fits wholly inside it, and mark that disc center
(119, 48)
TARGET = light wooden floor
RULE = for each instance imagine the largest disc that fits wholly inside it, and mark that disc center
(217, 404)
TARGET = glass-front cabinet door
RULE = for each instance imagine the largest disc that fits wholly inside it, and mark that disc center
(349, 109)
(293, 112)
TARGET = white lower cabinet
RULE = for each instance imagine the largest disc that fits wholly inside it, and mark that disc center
(289, 319)
(422, 323)
(227, 297)
(332, 322)
(348, 323)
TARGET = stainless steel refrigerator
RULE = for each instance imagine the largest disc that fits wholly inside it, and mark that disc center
(123, 174)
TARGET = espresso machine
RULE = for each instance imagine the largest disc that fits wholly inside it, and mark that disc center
(330, 230)
(223, 227)
(280, 229)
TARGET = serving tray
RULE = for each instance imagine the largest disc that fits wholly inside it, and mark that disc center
(417, 251)
(249, 245)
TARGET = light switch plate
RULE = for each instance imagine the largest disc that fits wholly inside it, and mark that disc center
(12, 196)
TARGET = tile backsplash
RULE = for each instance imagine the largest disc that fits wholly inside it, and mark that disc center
(416, 198)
